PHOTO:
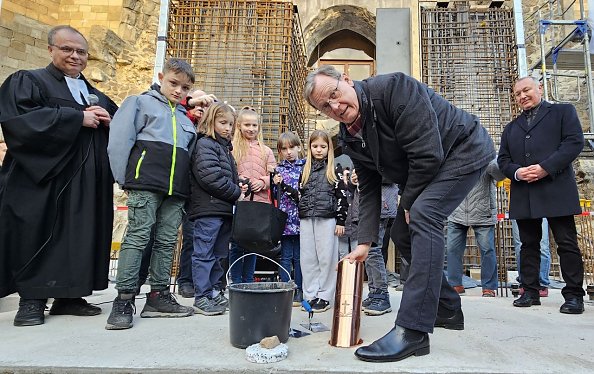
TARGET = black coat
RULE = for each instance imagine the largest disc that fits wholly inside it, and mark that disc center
(56, 194)
(553, 141)
(214, 179)
(409, 134)
(321, 199)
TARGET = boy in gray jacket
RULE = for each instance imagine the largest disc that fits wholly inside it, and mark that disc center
(150, 142)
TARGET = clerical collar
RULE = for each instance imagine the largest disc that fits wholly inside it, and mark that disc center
(78, 89)
(77, 76)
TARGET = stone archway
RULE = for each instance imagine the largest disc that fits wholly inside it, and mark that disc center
(341, 26)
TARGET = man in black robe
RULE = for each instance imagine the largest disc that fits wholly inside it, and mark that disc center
(56, 187)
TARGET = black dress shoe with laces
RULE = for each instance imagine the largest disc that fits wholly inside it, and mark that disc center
(527, 300)
(30, 312)
(572, 305)
(396, 345)
(450, 319)
(73, 307)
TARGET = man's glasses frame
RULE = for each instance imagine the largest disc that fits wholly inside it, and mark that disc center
(69, 50)
(334, 96)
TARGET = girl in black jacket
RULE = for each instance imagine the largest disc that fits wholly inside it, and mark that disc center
(322, 211)
(215, 187)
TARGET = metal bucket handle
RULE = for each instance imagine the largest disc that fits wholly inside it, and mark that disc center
(257, 254)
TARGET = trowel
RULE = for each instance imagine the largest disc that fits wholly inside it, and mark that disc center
(312, 326)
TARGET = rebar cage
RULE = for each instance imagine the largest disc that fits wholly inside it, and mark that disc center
(469, 57)
(248, 53)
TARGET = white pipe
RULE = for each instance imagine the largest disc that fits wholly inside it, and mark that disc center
(161, 39)
(520, 42)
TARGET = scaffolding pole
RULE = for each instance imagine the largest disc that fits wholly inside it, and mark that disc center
(520, 41)
(161, 39)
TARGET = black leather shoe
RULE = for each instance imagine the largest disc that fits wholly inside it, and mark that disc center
(73, 307)
(30, 312)
(186, 291)
(396, 345)
(527, 300)
(450, 319)
(573, 305)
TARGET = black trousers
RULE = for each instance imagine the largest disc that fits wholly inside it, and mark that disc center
(572, 267)
(421, 244)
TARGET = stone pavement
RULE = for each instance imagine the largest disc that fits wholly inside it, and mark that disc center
(498, 339)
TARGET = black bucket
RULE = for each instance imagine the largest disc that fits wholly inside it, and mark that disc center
(258, 310)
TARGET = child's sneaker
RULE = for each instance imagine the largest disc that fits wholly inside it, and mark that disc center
(366, 303)
(377, 307)
(221, 300)
(208, 307)
(297, 297)
(163, 304)
(120, 317)
(321, 306)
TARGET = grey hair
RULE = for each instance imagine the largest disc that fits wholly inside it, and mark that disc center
(52, 33)
(534, 80)
(327, 70)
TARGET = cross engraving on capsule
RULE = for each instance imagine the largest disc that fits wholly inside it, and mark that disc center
(346, 310)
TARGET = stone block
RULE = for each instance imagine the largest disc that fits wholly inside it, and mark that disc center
(48, 20)
(9, 61)
(13, 7)
(7, 15)
(37, 34)
(114, 15)
(5, 32)
(4, 42)
(25, 39)
(17, 55)
(99, 8)
(17, 45)
(101, 16)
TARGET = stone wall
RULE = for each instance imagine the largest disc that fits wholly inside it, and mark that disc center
(121, 34)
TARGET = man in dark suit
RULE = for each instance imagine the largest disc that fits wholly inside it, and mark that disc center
(396, 128)
(537, 149)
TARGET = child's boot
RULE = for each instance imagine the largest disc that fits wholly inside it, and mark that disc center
(123, 308)
(162, 303)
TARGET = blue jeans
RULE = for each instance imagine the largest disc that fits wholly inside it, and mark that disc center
(456, 245)
(545, 252)
(243, 270)
(211, 244)
(377, 280)
(290, 259)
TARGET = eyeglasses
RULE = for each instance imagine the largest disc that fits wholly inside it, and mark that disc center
(333, 99)
(69, 50)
